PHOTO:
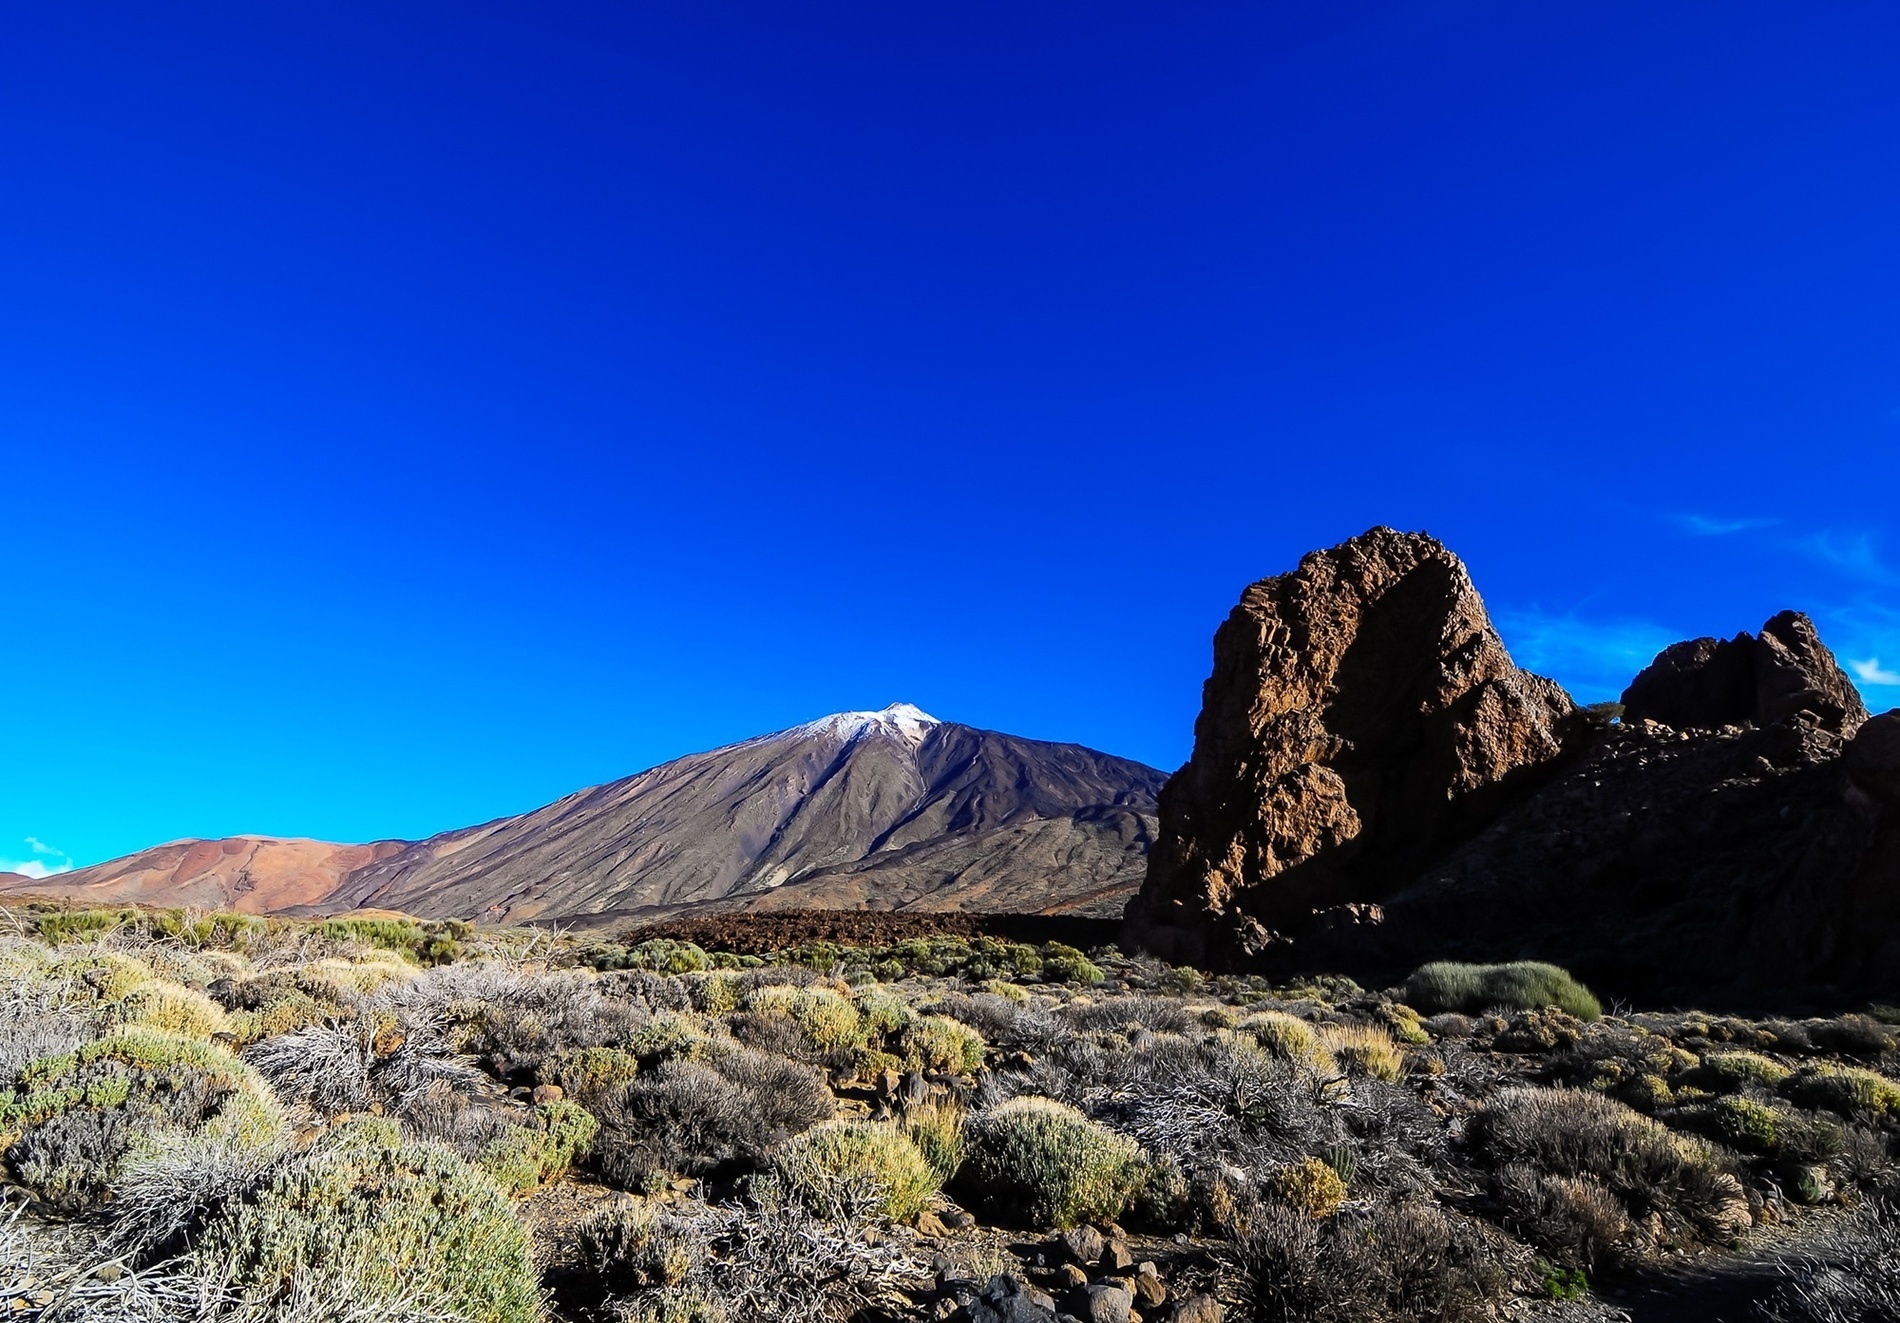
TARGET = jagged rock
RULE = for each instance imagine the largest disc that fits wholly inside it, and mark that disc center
(1750, 679)
(1361, 717)
(1109, 1304)
(1197, 1309)
(1374, 785)
(1082, 1244)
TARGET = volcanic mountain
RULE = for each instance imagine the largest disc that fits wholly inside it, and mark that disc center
(861, 810)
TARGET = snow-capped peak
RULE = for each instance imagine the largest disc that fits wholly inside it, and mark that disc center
(899, 719)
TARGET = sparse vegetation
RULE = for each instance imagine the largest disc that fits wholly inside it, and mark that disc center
(263, 1120)
(1526, 985)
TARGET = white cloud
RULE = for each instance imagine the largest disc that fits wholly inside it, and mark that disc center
(1704, 526)
(1871, 672)
(51, 863)
(34, 869)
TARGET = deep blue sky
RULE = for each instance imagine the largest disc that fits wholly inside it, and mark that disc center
(410, 413)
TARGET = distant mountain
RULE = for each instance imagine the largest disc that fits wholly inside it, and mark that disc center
(877, 810)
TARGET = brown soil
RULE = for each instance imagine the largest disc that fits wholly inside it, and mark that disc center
(759, 934)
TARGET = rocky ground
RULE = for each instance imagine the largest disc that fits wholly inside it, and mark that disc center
(225, 1118)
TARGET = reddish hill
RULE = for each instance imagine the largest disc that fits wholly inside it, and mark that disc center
(250, 874)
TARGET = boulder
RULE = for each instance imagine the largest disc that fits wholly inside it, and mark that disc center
(1706, 684)
(1362, 717)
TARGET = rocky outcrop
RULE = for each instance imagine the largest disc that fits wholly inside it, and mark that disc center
(1375, 785)
(1750, 679)
(1362, 717)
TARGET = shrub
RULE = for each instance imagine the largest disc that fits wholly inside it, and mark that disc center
(882, 1156)
(1574, 1219)
(1853, 1277)
(71, 1118)
(1047, 1164)
(663, 955)
(936, 1128)
(631, 1245)
(1448, 985)
(175, 1010)
(1848, 1090)
(1291, 1039)
(388, 1216)
(883, 1012)
(1727, 1072)
(1309, 1185)
(584, 1073)
(936, 1042)
(1410, 1261)
(827, 1017)
(689, 1118)
(1571, 1132)
(527, 1155)
(717, 993)
(1363, 1049)
(1065, 964)
(1746, 1124)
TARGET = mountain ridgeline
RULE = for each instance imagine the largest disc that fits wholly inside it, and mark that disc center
(862, 810)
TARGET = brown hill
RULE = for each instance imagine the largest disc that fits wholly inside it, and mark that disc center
(250, 874)
(1374, 784)
(889, 810)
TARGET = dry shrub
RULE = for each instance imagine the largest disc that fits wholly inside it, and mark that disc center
(1363, 1049)
(1309, 1186)
(1406, 1262)
(1573, 1219)
(1571, 1132)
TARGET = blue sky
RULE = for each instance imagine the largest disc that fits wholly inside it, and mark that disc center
(411, 413)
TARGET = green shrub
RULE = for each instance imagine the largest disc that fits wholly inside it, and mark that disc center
(588, 1072)
(827, 1016)
(1727, 1072)
(1745, 1124)
(663, 955)
(1448, 985)
(937, 1042)
(883, 1012)
(385, 1216)
(1309, 1185)
(175, 1009)
(78, 925)
(1065, 964)
(1848, 1090)
(717, 993)
(528, 1155)
(1291, 1039)
(1042, 1162)
(881, 1155)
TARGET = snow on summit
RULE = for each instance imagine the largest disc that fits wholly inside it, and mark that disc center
(900, 719)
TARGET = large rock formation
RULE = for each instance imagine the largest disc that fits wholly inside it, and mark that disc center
(1735, 837)
(1362, 717)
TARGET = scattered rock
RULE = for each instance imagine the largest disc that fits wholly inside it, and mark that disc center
(1197, 1309)
(547, 1093)
(1082, 1244)
(1116, 1257)
(1109, 1304)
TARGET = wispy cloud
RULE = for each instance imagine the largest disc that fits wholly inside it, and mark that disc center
(1705, 526)
(1594, 659)
(1872, 672)
(1854, 554)
(50, 863)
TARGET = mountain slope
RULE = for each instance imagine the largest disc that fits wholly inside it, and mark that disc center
(884, 810)
(879, 810)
